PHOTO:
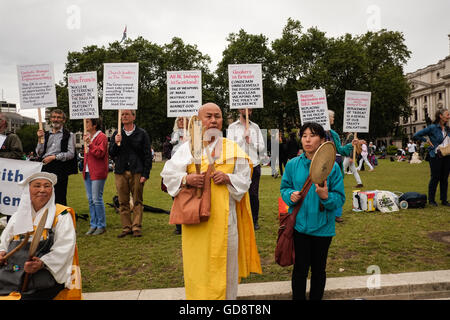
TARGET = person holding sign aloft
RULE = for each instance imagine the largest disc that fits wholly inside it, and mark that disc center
(131, 150)
(342, 151)
(178, 138)
(179, 133)
(57, 153)
(249, 137)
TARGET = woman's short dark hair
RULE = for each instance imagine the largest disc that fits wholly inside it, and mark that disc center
(315, 128)
(98, 123)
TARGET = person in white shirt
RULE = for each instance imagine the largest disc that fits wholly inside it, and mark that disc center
(364, 154)
(411, 146)
(252, 142)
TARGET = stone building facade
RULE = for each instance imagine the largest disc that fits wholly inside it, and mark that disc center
(430, 91)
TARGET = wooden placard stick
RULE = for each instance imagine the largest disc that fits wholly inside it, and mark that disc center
(246, 118)
(354, 148)
(119, 124)
(41, 139)
(196, 136)
(184, 128)
(84, 133)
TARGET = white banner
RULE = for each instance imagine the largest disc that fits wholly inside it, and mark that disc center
(120, 86)
(313, 107)
(184, 93)
(356, 111)
(83, 96)
(245, 85)
(36, 86)
(11, 172)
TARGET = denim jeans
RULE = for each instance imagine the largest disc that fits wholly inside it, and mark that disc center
(94, 192)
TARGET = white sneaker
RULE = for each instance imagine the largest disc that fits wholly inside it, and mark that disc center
(91, 231)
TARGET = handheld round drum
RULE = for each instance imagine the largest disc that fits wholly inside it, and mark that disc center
(322, 163)
(196, 135)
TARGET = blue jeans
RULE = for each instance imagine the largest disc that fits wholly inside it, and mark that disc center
(94, 192)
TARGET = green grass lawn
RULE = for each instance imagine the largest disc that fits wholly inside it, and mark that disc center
(395, 242)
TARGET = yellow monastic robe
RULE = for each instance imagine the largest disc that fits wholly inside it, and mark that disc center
(205, 245)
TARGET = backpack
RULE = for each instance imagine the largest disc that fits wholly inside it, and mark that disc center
(414, 199)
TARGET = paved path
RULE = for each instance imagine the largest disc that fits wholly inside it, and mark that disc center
(402, 286)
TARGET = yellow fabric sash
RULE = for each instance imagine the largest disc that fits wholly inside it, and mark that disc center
(204, 245)
(74, 290)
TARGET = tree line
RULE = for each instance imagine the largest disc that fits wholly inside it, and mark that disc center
(298, 60)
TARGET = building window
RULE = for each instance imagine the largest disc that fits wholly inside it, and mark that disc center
(415, 115)
(424, 99)
(440, 95)
(415, 101)
(438, 75)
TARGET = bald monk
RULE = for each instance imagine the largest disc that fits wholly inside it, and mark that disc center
(220, 251)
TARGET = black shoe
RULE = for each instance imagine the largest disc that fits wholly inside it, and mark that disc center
(256, 226)
(176, 231)
(124, 233)
(433, 204)
(446, 203)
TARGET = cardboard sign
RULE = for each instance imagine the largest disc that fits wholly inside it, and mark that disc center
(356, 111)
(245, 85)
(11, 172)
(36, 86)
(120, 86)
(184, 93)
(313, 107)
(83, 96)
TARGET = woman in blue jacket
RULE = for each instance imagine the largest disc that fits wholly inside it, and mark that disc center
(314, 228)
(439, 166)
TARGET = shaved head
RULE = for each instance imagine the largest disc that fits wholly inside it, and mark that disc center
(208, 106)
(211, 116)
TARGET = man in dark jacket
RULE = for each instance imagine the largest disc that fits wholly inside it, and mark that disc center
(131, 150)
(12, 146)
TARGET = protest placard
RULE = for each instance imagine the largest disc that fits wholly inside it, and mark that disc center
(120, 86)
(83, 96)
(356, 111)
(36, 86)
(184, 93)
(11, 172)
(245, 86)
(313, 107)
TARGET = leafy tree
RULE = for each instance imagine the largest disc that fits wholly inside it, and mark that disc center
(154, 60)
(244, 48)
(28, 137)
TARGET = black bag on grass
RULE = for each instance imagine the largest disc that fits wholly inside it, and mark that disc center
(414, 199)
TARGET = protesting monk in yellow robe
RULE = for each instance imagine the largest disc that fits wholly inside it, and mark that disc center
(219, 252)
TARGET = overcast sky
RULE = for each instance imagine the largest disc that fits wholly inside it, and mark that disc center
(43, 31)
